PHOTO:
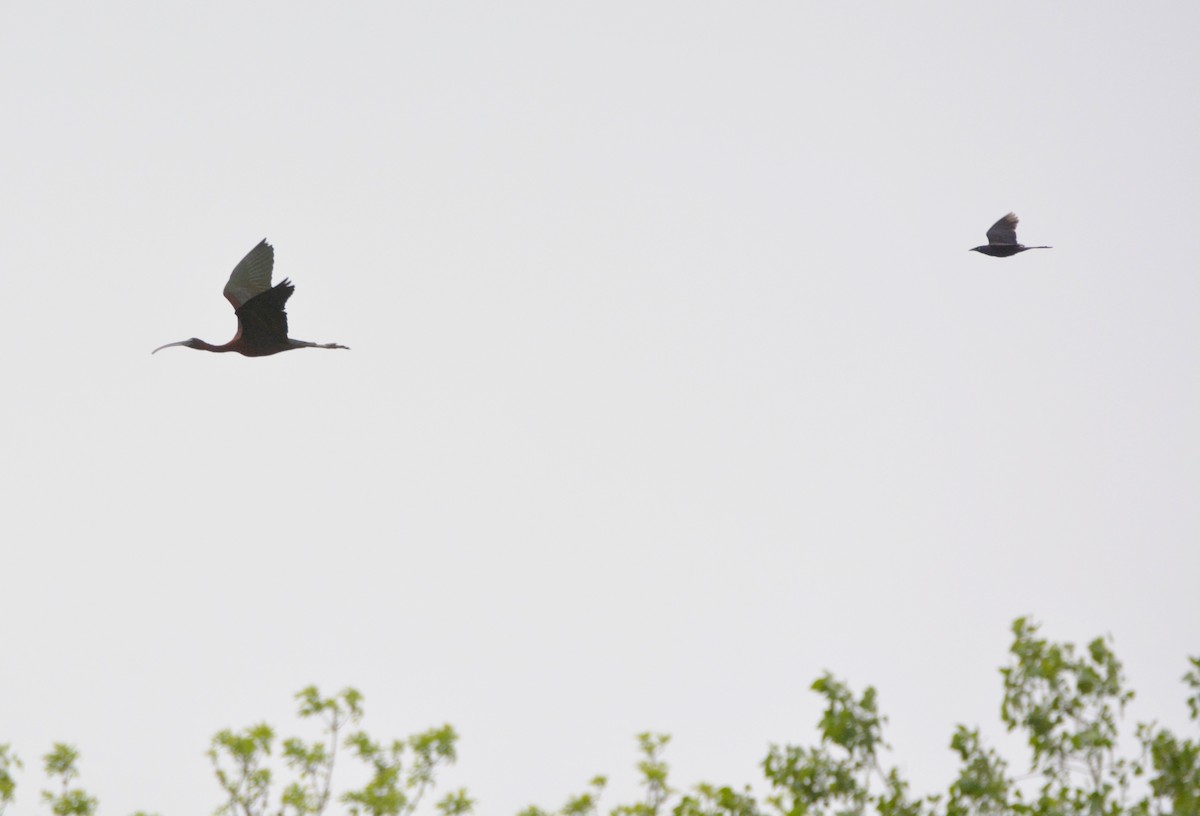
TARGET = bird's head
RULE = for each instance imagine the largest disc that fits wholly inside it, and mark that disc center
(976, 249)
(191, 342)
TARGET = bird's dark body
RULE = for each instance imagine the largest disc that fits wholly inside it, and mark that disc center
(1002, 251)
(263, 323)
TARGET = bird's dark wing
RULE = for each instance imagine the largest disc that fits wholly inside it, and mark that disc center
(262, 322)
(1003, 231)
(251, 277)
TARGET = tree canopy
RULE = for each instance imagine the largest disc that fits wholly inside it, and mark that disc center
(1069, 704)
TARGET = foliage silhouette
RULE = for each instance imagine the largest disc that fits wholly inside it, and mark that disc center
(1068, 703)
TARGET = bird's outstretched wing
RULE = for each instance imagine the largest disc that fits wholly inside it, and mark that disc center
(1003, 231)
(262, 322)
(252, 276)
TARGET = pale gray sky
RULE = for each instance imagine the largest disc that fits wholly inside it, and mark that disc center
(673, 382)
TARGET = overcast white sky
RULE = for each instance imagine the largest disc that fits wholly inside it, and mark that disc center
(672, 381)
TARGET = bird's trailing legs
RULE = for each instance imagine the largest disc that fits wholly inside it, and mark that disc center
(306, 344)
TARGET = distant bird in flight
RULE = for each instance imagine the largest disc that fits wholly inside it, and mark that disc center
(1002, 239)
(262, 322)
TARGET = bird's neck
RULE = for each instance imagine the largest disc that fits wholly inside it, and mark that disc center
(203, 346)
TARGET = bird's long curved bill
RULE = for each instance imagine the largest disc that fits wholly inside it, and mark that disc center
(168, 345)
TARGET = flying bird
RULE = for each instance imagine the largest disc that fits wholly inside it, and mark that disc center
(1002, 239)
(262, 322)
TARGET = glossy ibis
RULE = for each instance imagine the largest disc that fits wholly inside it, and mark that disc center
(262, 322)
(1002, 239)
